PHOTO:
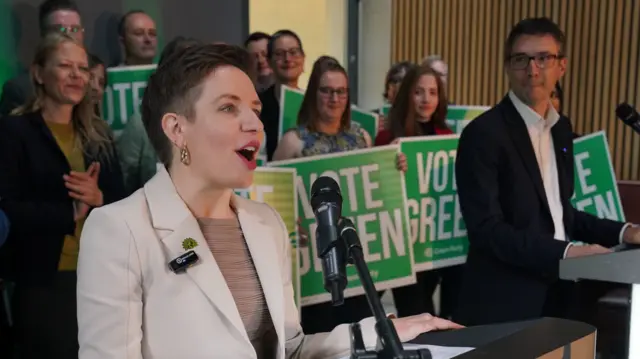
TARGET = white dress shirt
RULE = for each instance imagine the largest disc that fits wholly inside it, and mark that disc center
(539, 129)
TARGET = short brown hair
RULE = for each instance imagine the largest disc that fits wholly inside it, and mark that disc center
(308, 114)
(538, 26)
(176, 86)
(402, 116)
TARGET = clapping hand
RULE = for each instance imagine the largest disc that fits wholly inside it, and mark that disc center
(83, 186)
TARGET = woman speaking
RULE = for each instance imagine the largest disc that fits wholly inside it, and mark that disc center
(183, 268)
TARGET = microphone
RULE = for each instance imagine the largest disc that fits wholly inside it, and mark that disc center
(326, 202)
(337, 241)
(629, 116)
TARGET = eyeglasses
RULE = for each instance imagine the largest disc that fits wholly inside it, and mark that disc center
(542, 61)
(71, 29)
(328, 91)
(293, 52)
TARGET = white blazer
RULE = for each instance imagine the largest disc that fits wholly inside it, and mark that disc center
(132, 306)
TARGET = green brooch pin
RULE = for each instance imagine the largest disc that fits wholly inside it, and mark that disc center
(189, 243)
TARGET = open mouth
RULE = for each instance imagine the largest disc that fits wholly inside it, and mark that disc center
(249, 153)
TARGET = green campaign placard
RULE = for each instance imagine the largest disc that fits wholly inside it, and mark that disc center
(596, 188)
(291, 101)
(459, 116)
(368, 121)
(384, 110)
(438, 232)
(276, 187)
(373, 198)
(123, 93)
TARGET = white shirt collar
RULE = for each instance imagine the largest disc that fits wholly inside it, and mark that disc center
(530, 116)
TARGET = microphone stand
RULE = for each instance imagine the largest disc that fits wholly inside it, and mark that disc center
(389, 345)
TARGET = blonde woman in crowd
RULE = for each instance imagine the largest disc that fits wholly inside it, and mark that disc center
(57, 163)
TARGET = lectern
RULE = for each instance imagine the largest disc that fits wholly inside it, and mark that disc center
(618, 267)
(545, 338)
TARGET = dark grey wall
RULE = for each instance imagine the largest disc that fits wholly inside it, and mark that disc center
(208, 20)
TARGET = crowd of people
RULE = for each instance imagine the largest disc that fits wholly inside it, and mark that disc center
(134, 199)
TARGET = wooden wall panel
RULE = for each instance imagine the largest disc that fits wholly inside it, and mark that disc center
(603, 46)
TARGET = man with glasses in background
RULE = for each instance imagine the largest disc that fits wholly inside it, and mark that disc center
(53, 15)
(286, 58)
(515, 179)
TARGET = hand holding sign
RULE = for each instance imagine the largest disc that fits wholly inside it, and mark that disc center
(401, 162)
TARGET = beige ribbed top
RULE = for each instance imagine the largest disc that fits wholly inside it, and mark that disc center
(229, 248)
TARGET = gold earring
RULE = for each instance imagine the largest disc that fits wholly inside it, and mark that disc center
(185, 156)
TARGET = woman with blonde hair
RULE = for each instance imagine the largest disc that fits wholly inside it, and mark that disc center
(57, 163)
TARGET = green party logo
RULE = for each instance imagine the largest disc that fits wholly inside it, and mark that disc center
(189, 243)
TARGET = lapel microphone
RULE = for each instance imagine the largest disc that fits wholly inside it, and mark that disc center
(184, 261)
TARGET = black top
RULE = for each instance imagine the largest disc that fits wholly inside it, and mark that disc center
(513, 257)
(427, 128)
(15, 92)
(35, 199)
(270, 117)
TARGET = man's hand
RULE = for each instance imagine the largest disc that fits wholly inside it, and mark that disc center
(410, 327)
(587, 250)
(631, 235)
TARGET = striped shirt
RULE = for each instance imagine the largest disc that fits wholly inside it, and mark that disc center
(226, 241)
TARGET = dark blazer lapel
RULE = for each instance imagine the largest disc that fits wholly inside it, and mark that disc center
(522, 142)
(37, 121)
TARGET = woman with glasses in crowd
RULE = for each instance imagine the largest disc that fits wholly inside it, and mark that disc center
(324, 120)
(325, 126)
(419, 109)
(57, 162)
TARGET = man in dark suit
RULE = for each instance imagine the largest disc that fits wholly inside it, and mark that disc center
(53, 15)
(514, 173)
